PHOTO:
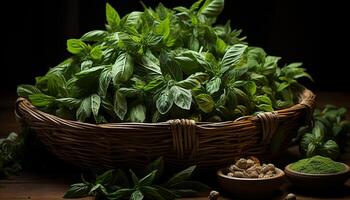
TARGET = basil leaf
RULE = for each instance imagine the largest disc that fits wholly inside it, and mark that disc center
(123, 68)
(182, 97)
(41, 100)
(132, 19)
(311, 150)
(137, 113)
(154, 85)
(330, 149)
(53, 84)
(153, 40)
(92, 72)
(265, 107)
(232, 56)
(87, 64)
(205, 102)
(191, 62)
(150, 65)
(94, 36)
(129, 92)
(26, 90)
(104, 81)
(104, 178)
(112, 17)
(148, 179)
(282, 86)
(212, 8)
(195, 5)
(120, 105)
(262, 99)
(84, 110)
(165, 101)
(220, 46)
(193, 81)
(164, 27)
(181, 176)
(96, 53)
(78, 190)
(213, 85)
(95, 105)
(69, 102)
(76, 46)
(250, 87)
(98, 188)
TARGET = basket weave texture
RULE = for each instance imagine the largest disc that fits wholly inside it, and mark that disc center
(181, 142)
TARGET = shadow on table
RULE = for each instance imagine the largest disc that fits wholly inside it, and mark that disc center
(330, 193)
(276, 195)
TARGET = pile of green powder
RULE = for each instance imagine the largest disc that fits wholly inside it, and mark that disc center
(318, 165)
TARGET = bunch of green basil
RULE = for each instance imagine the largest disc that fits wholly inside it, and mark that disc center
(164, 63)
(115, 185)
(330, 134)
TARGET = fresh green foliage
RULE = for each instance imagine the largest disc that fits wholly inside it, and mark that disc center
(330, 134)
(163, 63)
(10, 148)
(318, 165)
(116, 185)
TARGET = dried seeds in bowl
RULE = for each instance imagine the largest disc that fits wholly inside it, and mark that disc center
(247, 178)
(251, 168)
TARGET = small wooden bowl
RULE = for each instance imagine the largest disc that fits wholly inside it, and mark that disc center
(317, 181)
(250, 188)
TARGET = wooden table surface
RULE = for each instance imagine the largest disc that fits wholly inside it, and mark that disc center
(53, 186)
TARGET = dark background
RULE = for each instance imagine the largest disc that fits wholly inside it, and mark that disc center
(36, 34)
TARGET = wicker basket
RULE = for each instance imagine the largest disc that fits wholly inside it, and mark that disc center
(181, 142)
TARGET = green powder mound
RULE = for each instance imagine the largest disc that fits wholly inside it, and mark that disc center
(318, 165)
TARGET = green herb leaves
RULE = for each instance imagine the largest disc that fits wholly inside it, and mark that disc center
(41, 100)
(94, 36)
(213, 85)
(75, 46)
(116, 185)
(112, 17)
(164, 63)
(95, 105)
(123, 68)
(328, 136)
(232, 56)
(182, 97)
(120, 105)
(165, 101)
(84, 110)
(212, 8)
(26, 90)
(78, 190)
(137, 113)
(205, 102)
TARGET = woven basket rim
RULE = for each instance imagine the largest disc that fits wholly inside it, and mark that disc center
(306, 100)
(207, 144)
